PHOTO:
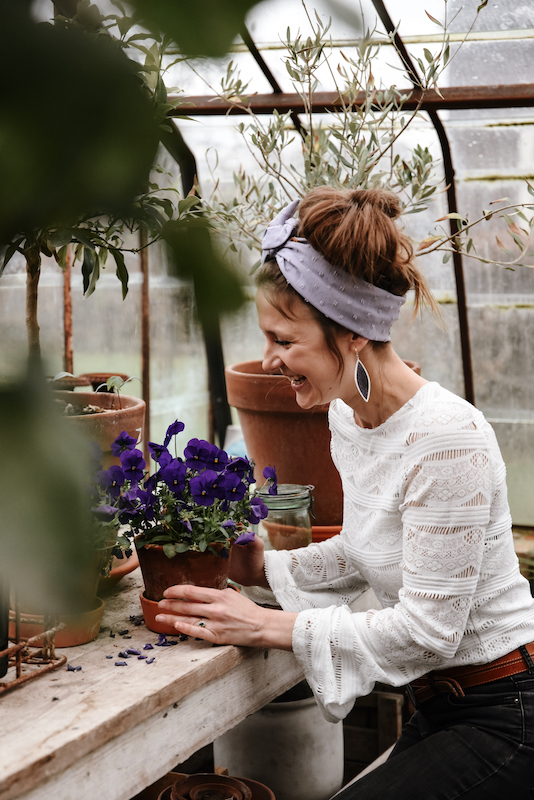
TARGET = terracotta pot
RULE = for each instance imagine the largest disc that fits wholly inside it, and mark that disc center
(286, 537)
(119, 413)
(279, 433)
(322, 532)
(192, 567)
(150, 609)
(79, 628)
(119, 568)
(96, 379)
(203, 786)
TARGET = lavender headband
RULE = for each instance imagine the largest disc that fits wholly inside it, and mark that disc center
(352, 302)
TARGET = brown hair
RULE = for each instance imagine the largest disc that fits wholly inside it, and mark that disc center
(355, 230)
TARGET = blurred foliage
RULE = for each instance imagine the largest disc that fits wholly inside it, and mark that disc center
(44, 480)
(193, 258)
(80, 123)
(205, 28)
(77, 129)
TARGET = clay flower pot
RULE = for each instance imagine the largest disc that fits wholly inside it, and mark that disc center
(191, 567)
(119, 568)
(79, 628)
(96, 379)
(203, 786)
(279, 433)
(119, 413)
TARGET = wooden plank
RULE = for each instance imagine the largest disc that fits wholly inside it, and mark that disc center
(107, 721)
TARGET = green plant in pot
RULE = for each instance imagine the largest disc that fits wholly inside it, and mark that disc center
(104, 538)
(186, 516)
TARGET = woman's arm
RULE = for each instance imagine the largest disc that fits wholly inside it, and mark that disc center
(225, 617)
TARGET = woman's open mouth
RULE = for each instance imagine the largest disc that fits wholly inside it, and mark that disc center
(297, 380)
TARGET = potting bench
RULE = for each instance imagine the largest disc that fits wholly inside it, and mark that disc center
(108, 731)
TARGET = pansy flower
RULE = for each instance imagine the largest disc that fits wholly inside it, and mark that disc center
(258, 511)
(133, 465)
(123, 442)
(173, 430)
(269, 473)
(205, 487)
(105, 513)
(111, 480)
(173, 474)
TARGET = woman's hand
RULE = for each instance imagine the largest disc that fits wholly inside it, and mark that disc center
(225, 617)
(246, 566)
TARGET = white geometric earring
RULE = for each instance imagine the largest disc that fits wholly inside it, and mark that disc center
(362, 379)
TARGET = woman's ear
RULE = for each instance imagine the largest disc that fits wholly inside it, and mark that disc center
(358, 342)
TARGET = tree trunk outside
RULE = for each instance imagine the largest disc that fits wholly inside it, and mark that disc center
(33, 273)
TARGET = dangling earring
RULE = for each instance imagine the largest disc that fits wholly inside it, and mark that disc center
(362, 379)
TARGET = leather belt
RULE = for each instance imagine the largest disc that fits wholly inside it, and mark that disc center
(457, 679)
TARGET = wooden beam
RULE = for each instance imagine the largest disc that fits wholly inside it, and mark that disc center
(451, 98)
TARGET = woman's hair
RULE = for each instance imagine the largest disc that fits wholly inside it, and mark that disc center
(355, 230)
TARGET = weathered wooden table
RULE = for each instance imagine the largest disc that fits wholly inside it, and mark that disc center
(108, 731)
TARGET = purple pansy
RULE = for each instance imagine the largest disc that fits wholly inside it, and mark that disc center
(123, 442)
(105, 513)
(234, 488)
(258, 511)
(174, 476)
(157, 450)
(205, 487)
(242, 467)
(173, 430)
(111, 480)
(269, 473)
(200, 454)
(245, 538)
(133, 465)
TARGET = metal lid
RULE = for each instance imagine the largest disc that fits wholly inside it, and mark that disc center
(289, 495)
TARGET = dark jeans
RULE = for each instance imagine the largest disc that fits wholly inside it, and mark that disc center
(477, 747)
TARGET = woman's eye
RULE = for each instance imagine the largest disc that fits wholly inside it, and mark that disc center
(281, 342)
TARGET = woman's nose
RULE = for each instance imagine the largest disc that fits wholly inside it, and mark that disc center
(271, 362)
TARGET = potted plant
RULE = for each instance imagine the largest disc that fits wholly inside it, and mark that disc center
(185, 517)
(105, 541)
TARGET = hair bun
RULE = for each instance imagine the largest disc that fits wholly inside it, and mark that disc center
(379, 199)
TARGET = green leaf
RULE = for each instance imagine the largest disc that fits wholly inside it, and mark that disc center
(121, 271)
(10, 252)
(187, 202)
(95, 272)
(88, 266)
(169, 550)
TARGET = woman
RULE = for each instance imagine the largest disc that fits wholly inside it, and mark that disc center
(426, 521)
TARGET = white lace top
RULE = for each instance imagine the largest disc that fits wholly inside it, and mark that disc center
(426, 525)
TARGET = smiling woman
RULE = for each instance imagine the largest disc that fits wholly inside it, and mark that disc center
(426, 522)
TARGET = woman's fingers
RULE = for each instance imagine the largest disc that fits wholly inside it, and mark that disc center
(188, 625)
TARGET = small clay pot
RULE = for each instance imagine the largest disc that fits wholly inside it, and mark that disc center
(286, 537)
(79, 628)
(210, 787)
(322, 532)
(150, 609)
(119, 568)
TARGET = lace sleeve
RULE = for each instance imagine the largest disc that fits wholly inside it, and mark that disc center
(316, 576)
(451, 481)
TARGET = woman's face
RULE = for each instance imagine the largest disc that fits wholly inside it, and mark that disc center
(296, 347)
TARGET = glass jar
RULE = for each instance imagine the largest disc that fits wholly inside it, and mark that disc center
(288, 524)
(286, 527)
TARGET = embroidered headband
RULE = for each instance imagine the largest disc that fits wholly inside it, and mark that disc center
(352, 302)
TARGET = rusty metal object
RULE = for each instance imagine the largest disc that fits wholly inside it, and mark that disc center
(30, 658)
